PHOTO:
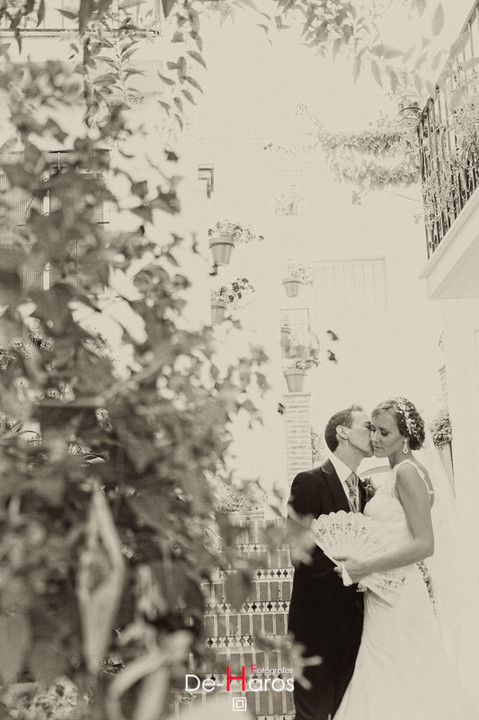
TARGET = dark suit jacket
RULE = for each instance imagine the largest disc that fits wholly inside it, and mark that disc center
(323, 611)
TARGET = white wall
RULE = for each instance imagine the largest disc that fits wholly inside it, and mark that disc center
(461, 346)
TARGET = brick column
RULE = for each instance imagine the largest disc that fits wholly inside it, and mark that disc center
(299, 454)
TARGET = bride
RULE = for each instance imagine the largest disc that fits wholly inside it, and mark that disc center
(403, 671)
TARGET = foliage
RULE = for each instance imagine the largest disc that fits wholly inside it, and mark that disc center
(318, 448)
(113, 538)
(298, 271)
(29, 701)
(385, 155)
(306, 364)
(441, 429)
(246, 498)
(240, 234)
(234, 293)
(353, 29)
(426, 575)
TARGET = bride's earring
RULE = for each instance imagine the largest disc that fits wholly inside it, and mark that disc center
(405, 448)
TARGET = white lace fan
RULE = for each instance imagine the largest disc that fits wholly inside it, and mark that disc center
(347, 533)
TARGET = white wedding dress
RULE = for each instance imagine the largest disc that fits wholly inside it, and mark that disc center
(402, 671)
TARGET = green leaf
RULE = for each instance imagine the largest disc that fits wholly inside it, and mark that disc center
(237, 588)
(150, 509)
(196, 56)
(84, 14)
(125, 54)
(46, 661)
(52, 307)
(11, 259)
(140, 188)
(165, 106)
(167, 6)
(166, 80)
(420, 6)
(15, 636)
(193, 82)
(376, 73)
(393, 80)
(337, 47)
(107, 60)
(143, 211)
(68, 14)
(437, 22)
(41, 12)
(10, 288)
(106, 78)
(181, 68)
(388, 52)
(189, 96)
(356, 68)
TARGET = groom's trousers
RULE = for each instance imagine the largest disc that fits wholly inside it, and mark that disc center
(328, 680)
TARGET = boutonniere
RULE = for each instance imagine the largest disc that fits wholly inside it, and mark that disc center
(369, 487)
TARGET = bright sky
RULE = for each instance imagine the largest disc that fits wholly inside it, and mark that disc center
(260, 83)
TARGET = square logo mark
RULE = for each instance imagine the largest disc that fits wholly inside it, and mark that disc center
(239, 703)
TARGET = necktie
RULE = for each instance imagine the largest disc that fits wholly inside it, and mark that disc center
(352, 483)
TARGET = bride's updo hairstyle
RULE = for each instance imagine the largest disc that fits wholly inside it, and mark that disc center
(410, 423)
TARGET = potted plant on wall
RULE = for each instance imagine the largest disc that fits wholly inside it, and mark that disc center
(298, 274)
(441, 431)
(225, 235)
(231, 295)
(295, 373)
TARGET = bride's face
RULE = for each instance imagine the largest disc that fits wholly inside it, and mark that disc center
(385, 435)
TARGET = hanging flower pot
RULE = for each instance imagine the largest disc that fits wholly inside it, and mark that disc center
(221, 248)
(218, 311)
(225, 235)
(291, 286)
(295, 379)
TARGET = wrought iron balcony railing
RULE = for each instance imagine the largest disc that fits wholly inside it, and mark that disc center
(449, 136)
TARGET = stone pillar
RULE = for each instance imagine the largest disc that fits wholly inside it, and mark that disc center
(299, 454)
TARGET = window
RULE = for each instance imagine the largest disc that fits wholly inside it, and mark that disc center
(206, 175)
(289, 196)
(351, 287)
(297, 320)
(443, 381)
(15, 204)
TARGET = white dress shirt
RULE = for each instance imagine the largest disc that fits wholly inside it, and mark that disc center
(343, 472)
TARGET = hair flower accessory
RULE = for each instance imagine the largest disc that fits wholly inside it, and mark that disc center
(404, 407)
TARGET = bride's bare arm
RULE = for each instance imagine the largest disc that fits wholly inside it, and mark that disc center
(414, 498)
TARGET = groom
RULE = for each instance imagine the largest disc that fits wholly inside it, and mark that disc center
(325, 616)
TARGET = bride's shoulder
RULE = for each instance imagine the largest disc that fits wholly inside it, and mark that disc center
(408, 471)
(411, 468)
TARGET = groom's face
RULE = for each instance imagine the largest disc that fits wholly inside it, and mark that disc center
(359, 434)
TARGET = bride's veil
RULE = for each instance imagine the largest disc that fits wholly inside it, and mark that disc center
(455, 586)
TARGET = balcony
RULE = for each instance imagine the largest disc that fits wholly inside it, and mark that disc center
(448, 133)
